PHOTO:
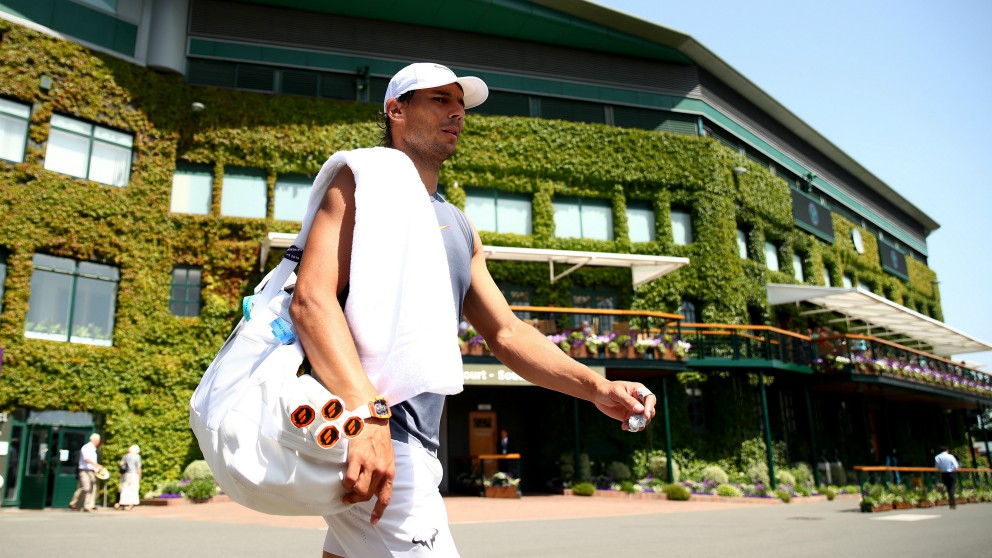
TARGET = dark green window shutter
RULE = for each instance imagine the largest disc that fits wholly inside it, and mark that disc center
(337, 86)
(211, 72)
(657, 120)
(575, 111)
(297, 82)
(259, 78)
(505, 104)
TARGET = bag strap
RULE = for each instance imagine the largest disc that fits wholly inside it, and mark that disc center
(276, 278)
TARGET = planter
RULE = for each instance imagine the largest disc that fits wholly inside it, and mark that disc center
(876, 509)
(903, 506)
(925, 505)
(502, 492)
(578, 352)
(199, 500)
(475, 350)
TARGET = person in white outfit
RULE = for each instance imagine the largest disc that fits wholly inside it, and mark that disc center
(130, 479)
(393, 471)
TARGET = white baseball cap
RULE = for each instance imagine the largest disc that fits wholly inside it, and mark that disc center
(425, 75)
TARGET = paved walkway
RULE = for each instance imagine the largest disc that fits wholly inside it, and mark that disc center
(532, 527)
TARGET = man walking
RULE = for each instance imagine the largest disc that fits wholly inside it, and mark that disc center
(393, 471)
(85, 496)
(948, 466)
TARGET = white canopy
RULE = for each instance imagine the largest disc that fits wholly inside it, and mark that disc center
(642, 268)
(875, 310)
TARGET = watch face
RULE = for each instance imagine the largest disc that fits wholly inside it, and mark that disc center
(380, 408)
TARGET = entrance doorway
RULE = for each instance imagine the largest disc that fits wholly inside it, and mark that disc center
(42, 457)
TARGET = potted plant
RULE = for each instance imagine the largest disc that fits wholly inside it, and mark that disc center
(577, 341)
(502, 485)
(200, 490)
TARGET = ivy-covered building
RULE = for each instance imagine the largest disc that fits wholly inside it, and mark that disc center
(154, 154)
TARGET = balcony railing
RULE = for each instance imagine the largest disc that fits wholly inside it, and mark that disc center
(599, 333)
(871, 356)
(743, 343)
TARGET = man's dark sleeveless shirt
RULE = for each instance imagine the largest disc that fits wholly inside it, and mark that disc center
(417, 420)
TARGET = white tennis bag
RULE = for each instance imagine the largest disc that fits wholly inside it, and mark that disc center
(275, 442)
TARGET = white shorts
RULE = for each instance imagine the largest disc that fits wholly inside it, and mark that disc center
(415, 522)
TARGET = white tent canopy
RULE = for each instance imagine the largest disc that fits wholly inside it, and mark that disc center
(859, 304)
(642, 268)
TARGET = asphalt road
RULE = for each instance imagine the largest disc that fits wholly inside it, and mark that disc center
(828, 529)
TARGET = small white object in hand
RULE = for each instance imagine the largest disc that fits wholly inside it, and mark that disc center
(636, 423)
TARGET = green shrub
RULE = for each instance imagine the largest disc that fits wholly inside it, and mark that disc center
(198, 470)
(783, 495)
(677, 492)
(628, 487)
(658, 467)
(829, 491)
(200, 489)
(566, 465)
(617, 471)
(803, 473)
(802, 489)
(728, 491)
(785, 477)
(715, 474)
(584, 489)
(585, 467)
(758, 472)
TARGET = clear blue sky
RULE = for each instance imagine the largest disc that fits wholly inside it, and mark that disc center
(903, 87)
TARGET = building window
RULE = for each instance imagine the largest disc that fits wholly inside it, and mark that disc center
(108, 5)
(771, 256)
(583, 218)
(688, 310)
(14, 118)
(517, 295)
(681, 227)
(847, 281)
(696, 411)
(292, 194)
(3, 277)
(86, 150)
(192, 189)
(797, 268)
(859, 243)
(71, 301)
(184, 298)
(826, 277)
(866, 286)
(501, 212)
(602, 299)
(742, 244)
(244, 193)
(640, 223)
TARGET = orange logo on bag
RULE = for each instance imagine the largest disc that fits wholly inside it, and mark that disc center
(353, 427)
(302, 416)
(332, 409)
(328, 436)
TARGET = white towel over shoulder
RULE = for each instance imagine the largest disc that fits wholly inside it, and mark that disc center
(400, 307)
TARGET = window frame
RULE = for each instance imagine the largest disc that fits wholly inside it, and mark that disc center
(3, 278)
(581, 202)
(27, 125)
(778, 262)
(694, 306)
(691, 233)
(695, 408)
(291, 179)
(185, 288)
(497, 194)
(742, 243)
(798, 273)
(76, 275)
(91, 139)
(506, 287)
(192, 169)
(652, 220)
(245, 172)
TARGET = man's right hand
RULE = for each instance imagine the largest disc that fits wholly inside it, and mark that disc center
(371, 467)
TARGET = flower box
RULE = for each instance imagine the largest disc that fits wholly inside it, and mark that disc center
(502, 492)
